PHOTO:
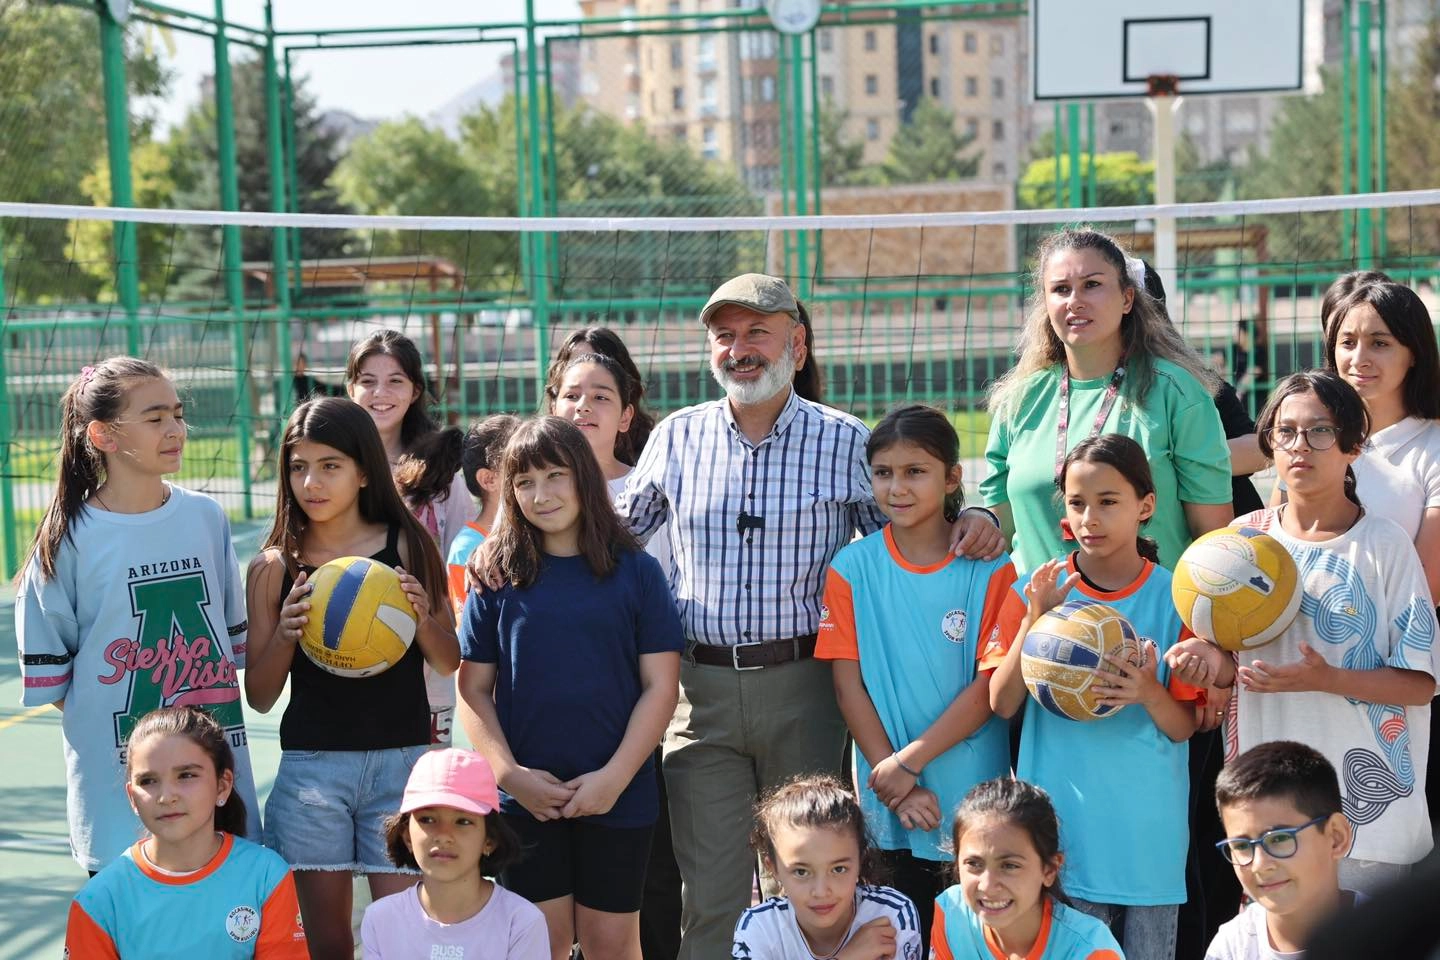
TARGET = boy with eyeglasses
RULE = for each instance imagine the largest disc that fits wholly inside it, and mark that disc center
(1286, 835)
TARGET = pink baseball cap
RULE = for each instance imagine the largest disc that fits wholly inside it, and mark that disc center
(452, 778)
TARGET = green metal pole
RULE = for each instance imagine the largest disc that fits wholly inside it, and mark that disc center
(1347, 147)
(1364, 127)
(1058, 179)
(797, 140)
(279, 254)
(1381, 159)
(1091, 193)
(816, 163)
(292, 147)
(234, 279)
(7, 488)
(117, 136)
(1072, 121)
(540, 292)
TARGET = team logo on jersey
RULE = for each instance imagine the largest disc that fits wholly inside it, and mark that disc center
(824, 613)
(953, 626)
(912, 951)
(173, 656)
(242, 924)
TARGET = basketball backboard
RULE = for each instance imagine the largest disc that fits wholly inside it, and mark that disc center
(1090, 49)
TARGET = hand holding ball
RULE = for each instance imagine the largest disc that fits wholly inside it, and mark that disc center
(360, 621)
(1063, 658)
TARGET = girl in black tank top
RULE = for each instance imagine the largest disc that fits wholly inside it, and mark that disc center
(328, 712)
(348, 743)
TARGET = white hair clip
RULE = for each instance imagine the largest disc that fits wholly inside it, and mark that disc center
(1136, 268)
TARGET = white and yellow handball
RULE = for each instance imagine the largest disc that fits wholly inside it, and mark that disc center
(1237, 587)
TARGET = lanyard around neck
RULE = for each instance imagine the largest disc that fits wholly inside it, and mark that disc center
(1062, 436)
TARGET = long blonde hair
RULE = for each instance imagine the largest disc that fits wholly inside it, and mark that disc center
(1146, 330)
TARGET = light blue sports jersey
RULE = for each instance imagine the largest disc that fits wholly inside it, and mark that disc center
(1119, 785)
(918, 634)
(239, 906)
(1065, 933)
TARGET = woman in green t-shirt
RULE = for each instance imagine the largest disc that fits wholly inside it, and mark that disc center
(1096, 355)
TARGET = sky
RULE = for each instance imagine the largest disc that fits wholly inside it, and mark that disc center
(368, 83)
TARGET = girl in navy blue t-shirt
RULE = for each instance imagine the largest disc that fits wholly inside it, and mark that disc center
(572, 672)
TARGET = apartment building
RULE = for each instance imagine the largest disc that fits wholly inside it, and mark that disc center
(720, 92)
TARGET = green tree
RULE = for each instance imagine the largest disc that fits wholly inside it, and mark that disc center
(52, 133)
(1121, 179)
(90, 241)
(194, 154)
(600, 167)
(929, 148)
(842, 159)
(407, 168)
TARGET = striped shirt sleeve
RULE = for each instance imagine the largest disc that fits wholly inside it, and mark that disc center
(48, 635)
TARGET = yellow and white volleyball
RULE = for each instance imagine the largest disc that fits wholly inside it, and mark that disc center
(360, 621)
(1063, 657)
(1237, 587)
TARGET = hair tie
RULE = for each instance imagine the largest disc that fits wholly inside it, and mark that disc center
(1136, 268)
(86, 375)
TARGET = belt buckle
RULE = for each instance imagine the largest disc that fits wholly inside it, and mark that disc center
(735, 657)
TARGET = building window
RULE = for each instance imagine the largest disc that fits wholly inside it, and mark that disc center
(870, 42)
(935, 87)
(998, 170)
(872, 84)
(677, 98)
(707, 96)
(997, 130)
(827, 39)
(935, 43)
(997, 88)
(972, 127)
(677, 55)
(872, 129)
(997, 43)
(673, 6)
(972, 43)
(827, 88)
(711, 145)
(767, 88)
(972, 87)
(707, 52)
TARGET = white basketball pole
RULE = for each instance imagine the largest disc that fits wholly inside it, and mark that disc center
(1162, 108)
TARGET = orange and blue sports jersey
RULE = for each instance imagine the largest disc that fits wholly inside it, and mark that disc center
(464, 544)
(240, 905)
(919, 634)
(1065, 934)
(1119, 785)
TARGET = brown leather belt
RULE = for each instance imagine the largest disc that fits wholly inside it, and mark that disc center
(753, 656)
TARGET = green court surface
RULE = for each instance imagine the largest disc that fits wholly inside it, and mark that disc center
(37, 875)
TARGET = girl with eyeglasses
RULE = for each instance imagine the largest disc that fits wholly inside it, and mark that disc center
(1354, 674)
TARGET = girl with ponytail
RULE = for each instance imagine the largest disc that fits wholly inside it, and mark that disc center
(1132, 879)
(130, 598)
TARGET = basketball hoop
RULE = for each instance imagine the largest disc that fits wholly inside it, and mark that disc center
(1162, 85)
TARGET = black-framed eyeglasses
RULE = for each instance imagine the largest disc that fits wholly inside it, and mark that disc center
(1280, 843)
(1322, 437)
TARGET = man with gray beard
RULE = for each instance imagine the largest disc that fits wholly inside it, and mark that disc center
(760, 490)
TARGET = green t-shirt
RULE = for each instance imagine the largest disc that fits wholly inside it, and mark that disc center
(1176, 424)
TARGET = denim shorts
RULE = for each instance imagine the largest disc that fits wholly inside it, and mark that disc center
(327, 808)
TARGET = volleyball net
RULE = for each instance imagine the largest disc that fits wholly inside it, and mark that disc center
(905, 306)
